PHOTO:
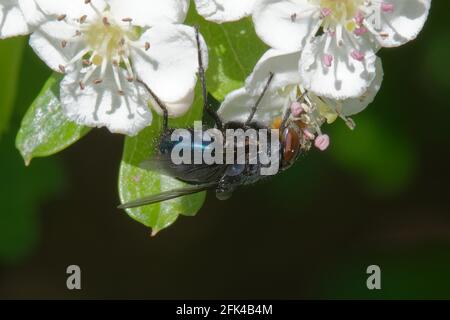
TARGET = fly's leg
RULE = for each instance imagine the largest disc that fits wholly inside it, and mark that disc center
(201, 73)
(160, 105)
(258, 102)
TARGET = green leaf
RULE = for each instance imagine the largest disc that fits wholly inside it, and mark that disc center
(135, 182)
(45, 130)
(234, 49)
(10, 59)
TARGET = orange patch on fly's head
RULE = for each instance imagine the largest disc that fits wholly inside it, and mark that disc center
(276, 124)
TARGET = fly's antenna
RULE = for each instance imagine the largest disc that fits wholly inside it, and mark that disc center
(258, 102)
(160, 104)
(201, 73)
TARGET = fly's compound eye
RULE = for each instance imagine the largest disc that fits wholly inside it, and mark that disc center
(291, 143)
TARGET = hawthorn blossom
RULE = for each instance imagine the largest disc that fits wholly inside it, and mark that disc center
(338, 38)
(341, 62)
(107, 49)
(286, 94)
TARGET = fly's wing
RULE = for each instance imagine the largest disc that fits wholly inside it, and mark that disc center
(167, 195)
(158, 163)
(190, 173)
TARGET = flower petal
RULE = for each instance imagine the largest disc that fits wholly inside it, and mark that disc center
(150, 12)
(239, 103)
(285, 24)
(284, 66)
(47, 42)
(169, 67)
(12, 21)
(224, 10)
(73, 9)
(401, 25)
(100, 105)
(33, 15)
(356, 105)
(176, 108)
(347, 75)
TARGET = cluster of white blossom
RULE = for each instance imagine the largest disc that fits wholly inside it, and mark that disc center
(106, 48)
(323, 55)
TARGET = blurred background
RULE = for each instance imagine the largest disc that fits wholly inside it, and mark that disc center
(378, 196)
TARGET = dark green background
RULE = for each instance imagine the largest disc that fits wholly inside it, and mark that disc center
(379, 195)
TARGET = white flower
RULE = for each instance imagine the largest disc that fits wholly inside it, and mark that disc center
(340, 63)
(285, 92)
(13, 17)
(224, 10)
(106, 47)
(338, 38)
